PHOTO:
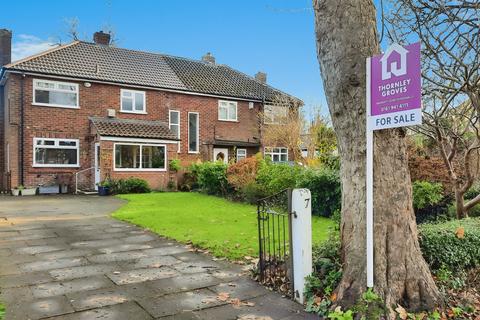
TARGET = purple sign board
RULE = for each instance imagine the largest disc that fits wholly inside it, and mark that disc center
(394, 88)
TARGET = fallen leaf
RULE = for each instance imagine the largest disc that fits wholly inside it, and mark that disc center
(333, 297)
(235, 302)
(317, 300)
(223, 296)
(402, 313)
(231, 284)
(249, 304)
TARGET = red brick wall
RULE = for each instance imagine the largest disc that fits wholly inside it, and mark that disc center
(41, 121)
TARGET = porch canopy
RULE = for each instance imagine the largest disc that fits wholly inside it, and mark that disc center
(129, 128)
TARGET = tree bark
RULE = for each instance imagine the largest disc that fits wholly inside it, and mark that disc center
(346, 35)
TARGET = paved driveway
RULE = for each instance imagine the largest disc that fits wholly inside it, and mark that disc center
(62, 257)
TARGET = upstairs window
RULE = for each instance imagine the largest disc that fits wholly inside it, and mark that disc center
(132, 101)
(56, 152)
(277, 154)
(227, 110)
(174, 124)
(55, 94)
(275, 114)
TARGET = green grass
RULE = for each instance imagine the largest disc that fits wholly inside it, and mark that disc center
(2, 311)
(227, 229)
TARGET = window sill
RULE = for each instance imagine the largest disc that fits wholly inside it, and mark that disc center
(228, 120)
(56, 166)
(54, 105)
(133, 112)
(193, 152)
(139, 170)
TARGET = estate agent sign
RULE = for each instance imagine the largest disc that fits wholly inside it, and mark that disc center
(393, 100)
(395, 88)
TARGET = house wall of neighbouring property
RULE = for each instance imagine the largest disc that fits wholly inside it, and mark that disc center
(52, 122)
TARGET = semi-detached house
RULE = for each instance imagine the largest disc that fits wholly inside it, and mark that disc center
(102, 111)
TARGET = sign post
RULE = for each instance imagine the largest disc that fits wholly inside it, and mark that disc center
(393, 99)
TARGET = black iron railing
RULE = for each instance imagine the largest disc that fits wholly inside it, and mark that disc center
(275, 266)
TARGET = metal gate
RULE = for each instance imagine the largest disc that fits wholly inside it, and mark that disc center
(275, 265)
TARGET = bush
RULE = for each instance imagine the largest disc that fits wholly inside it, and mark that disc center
(243, 173)
(211, 177)
(324, 184)
(273, 178)
(426, 194)
(174, 165)
(130, 185)
(454, 244)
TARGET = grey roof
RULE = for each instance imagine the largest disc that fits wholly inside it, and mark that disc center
(115, 127)
(105, 63)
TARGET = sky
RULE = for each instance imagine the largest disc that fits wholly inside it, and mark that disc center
(273, 36)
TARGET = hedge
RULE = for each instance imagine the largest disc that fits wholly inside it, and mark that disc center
(453, 244)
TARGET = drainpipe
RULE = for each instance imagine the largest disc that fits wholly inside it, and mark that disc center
(22, 133)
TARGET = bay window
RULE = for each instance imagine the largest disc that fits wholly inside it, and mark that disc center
(137, 157)
(55, 94)
(49, 152)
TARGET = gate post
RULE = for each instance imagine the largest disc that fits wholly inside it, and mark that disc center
(301, 217)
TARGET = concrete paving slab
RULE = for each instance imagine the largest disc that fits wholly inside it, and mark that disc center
(196, 267)
(124, 247)
(152, 262)
(124, 311)
(164, 251)
(241, 289)
(49, 307)
(176, 303)
(141, 275)
(70, 253)
(98, 298)
(182, 283)
(51, 289)
(82, 271)
(28, 279)
(52, 264)
(39, 249)
(117, 256)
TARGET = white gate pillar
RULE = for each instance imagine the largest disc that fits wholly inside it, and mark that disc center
(301, 240)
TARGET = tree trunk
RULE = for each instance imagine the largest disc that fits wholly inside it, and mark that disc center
(460, 203)
(346, 35)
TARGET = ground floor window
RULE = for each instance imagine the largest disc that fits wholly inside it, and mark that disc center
(140, 157)
(241, 154)
(277, 154)
(49, 152)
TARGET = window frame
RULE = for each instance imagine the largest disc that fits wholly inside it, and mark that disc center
(272, 153)
(241, 149)
(228, 110)
(144, 93)
(170, 111)
(198, 133)
(35, 87)
(141, 145)
(275, 117)
(55, 146)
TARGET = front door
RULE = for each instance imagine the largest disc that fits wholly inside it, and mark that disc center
(220, 154)
(97, 165)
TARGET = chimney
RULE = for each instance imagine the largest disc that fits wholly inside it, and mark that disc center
(208, 58)
(261, 77)
(5, 47)
(102, 38)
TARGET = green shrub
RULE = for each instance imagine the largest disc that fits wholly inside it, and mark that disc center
(324, 185)
(130, 185)
(174, 165)
(472, 192)
(273, 178)
(426, 194)
(454, 244)
(211, 177)
(473, 212)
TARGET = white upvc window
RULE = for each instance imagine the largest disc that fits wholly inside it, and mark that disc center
(227, 110)
(241, 154)
(277, 154)
(174, 124)
(132, 101)
(49, 152)
(55, 94)
(273, 114)
(193, 132)
(140, 157)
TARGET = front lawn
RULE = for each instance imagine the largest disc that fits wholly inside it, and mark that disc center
(227, 229)
(2, 311)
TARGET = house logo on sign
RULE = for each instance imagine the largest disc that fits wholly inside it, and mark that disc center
(392, 67)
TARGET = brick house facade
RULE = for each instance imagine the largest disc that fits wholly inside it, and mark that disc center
(44, 144)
